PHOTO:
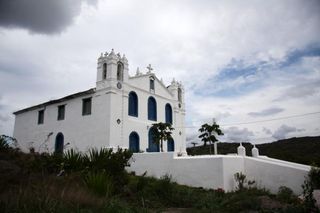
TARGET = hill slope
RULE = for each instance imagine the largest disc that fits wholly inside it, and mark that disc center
(304, 150)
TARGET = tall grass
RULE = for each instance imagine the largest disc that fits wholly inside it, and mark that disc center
(100, 183)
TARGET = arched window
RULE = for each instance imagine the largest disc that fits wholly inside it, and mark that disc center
(152, 109)
(179, 95)
(134, 141)
(152, 146)
(168, 114)
(104, 73)
(58, 148)
(170, 145)
(120, 72)
(133, 104)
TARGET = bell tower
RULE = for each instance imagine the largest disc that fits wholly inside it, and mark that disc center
(111, 69)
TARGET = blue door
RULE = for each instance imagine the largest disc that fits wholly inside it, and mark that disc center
(170, 145)
(134, 142)
(153, 147)
(58, 148)
(168, 110)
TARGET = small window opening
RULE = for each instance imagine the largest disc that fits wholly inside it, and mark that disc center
(120, 72)
(104, 74)
(152, 84)
(179, 95)
(61, 112)
(40, 117)
(86, 106)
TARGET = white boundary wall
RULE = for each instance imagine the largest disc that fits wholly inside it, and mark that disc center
(217, 171)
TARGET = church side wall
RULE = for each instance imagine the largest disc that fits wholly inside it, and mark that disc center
(81, 132)
(272, 174)
(217, 171)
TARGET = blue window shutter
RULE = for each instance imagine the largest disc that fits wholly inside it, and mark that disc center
(170, 145)
(152, 147)
(168, 114)
(133, 104)
(134, 141)
(152, 109)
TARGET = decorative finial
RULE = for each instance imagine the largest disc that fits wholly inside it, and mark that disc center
(173, 81)
(124, 59)
(112, 55)
(149, 68)
(138, 71)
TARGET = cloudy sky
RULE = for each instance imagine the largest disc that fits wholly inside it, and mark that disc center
(254, 66)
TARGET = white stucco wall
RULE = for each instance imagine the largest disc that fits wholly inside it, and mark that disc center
(271, 173)
(75, 127)
(218, 171)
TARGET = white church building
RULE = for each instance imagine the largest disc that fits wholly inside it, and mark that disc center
(118, 112)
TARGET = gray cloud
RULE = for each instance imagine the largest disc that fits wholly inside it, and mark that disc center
(266, 112)
(266, 130)
(235, 134)
(301, 90)
(4, 118)
(38, 16)
(284, 130)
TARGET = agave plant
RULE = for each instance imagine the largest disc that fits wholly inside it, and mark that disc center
(97, 160)
(3, 144)
(73, 160)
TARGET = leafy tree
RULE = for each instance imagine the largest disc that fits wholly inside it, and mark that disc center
(162, 132)
(209, 133)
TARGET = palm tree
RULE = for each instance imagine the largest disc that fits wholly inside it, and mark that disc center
(209, 133)
(162, 132)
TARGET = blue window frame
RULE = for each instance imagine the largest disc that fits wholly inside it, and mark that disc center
(133, 104)
(152, 109)
(152, 146)
(168, 113)
(170, 145)
(134, 141)
(58, 148)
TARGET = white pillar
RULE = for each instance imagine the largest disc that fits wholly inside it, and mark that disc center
(215, 148)
(255, 151)
(241, 150)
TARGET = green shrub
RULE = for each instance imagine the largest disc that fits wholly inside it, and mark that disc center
(46, 163)
(100, 183)
(113, 163)
(164, 187)
(314, 176)
(97, 159)
(308, 186)
(242, 181)
(286, 195)
(3, 144)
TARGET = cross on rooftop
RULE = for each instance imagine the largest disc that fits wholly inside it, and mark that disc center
(149, 68)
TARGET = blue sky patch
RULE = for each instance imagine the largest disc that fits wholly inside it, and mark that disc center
(238, 79)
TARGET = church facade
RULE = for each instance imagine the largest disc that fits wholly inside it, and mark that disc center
(118, 112)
